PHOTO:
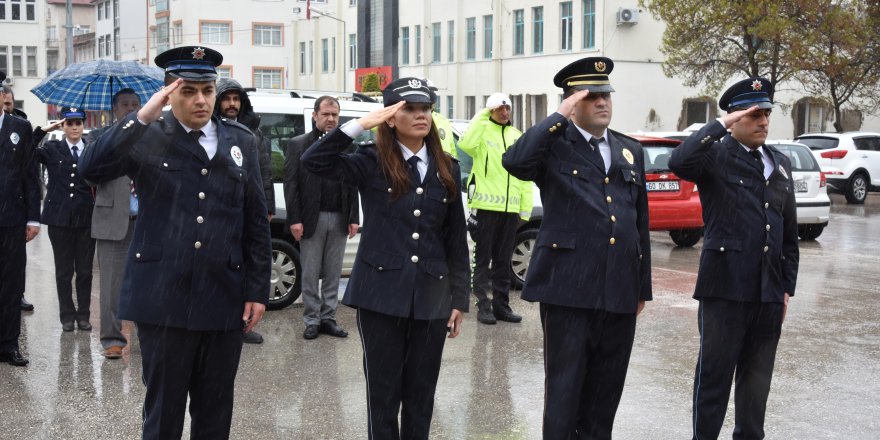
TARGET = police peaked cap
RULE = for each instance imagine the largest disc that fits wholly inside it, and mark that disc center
(412, 90)
(747, 93)
(589, 73)
(192, 63)
(73, 113)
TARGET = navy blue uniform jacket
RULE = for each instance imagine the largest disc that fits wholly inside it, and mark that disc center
(201, 245)
(750, 243)
(412, 260)
(69, 200)
(20, 194)
(593, 249)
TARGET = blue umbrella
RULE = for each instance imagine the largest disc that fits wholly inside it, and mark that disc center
(91, 85)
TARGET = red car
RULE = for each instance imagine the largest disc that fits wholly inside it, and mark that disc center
(673, 203)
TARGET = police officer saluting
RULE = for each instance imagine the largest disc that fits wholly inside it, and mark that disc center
(591, 267)
(199, 262)
(749, 264)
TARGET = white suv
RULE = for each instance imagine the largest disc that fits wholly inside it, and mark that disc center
(813, 204)
(850, 161)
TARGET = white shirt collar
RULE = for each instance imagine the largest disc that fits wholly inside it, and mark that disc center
(587, 135)
(79, 145)
(407, 153)
(208, 128)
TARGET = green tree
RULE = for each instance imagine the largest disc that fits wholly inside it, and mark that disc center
(840, 60)
(708, 42)
(371, 83)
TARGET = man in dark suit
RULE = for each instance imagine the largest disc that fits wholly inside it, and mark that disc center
(322, 214)
(115, 212)
(749, 264)
(591, 267)
(19, 223)
(67, 210)
(199, 262)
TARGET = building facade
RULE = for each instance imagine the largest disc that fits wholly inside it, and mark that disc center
(121, 30)
(22, 49)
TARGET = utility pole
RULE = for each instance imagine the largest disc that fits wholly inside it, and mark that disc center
(68, 49)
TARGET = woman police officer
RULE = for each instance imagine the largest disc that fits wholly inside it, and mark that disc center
(409, 281)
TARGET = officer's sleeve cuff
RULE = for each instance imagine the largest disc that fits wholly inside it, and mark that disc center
(37, 224)
(352, 128)
(721, 121)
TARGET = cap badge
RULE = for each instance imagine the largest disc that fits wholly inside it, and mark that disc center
(198, 53)
(235, 152)
(73, 110)
(414, 83)
(628, 156)
(757, 86)
(600, 66)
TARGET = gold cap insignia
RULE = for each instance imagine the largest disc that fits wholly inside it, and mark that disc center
(600, 66)
(757, 86)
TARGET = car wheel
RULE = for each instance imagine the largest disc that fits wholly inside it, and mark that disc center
(285, 284)
(522, 253)
(686, 237)
(810, 232)
(857, 190)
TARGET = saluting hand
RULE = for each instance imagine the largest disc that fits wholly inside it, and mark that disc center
(54, 126)
(567, 106)
(732, 118)
(152, 110)
(379, 116)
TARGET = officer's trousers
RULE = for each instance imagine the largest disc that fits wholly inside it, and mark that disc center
(12, 264)
(74, 251)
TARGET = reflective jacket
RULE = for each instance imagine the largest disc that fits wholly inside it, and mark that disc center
(490, 187)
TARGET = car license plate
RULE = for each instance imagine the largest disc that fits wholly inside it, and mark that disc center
(671, 185)
(800, 186)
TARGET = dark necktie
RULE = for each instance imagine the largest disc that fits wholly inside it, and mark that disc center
(594, 141)
(195, 135)
(75, 150)
(413, 163)
(756, 154)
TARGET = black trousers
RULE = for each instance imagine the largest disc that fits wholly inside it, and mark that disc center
(200, 364)
(12, 264)
(586, 355)
(493, 246)
(401, 365)
(74, 251)
(737, 340)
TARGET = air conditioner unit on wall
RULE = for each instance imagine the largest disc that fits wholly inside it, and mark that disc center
(627, 16)
(8, 81)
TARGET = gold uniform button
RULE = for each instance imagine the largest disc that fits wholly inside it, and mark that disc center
(766, 248)
(608, 199)
(415, 236)
(204, 171)
(200, 219)
(201, 196)
(419, 190)
(612, 241)
(417, 213)
(574, 172)
(414, 259)
(444, 200)
(552, 129)
(559, 124)
(767, 183)
(613, 219)
(389, 189)
(198, 244)
(607, 180)
(555, 245)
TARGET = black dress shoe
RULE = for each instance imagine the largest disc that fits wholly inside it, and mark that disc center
(330, 327)
(13, 358)
(84, 325)
(503, 312)
(253, 337)
(26, 306)
(311, 332)
(67, 326)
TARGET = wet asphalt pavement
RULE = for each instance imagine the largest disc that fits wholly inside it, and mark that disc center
(825, 386)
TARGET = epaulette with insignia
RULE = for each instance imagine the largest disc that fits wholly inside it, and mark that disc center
(231, 123)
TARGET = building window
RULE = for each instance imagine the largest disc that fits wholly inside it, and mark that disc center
(162, 42)
(18, 10)
(352, 51)
(302, 58)
(311, 67)
(516, 110)
(267, 77)
(325, 55)
(177, 33)
(17, 62)
(100, 46)
(566, 22)
(519, 29)
(101, 11)
(589, 31)
(470, 106)
(31, 61)
(450, 50)
(471, 38)
(213, 32)
(812, 117)
(435, 44)
(450, 103)
(697, 112)
(538, 29)
(404, 45)
(418, 44)
(4, 59)
(333, 54)
(267, 35)
(161, 5)
(487, 36)
(224, 72)
(352, 2)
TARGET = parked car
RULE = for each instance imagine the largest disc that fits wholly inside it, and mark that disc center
(811, 196)
(850, 161)
(673, 203)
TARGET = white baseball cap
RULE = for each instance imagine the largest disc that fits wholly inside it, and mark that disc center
(496, 100)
